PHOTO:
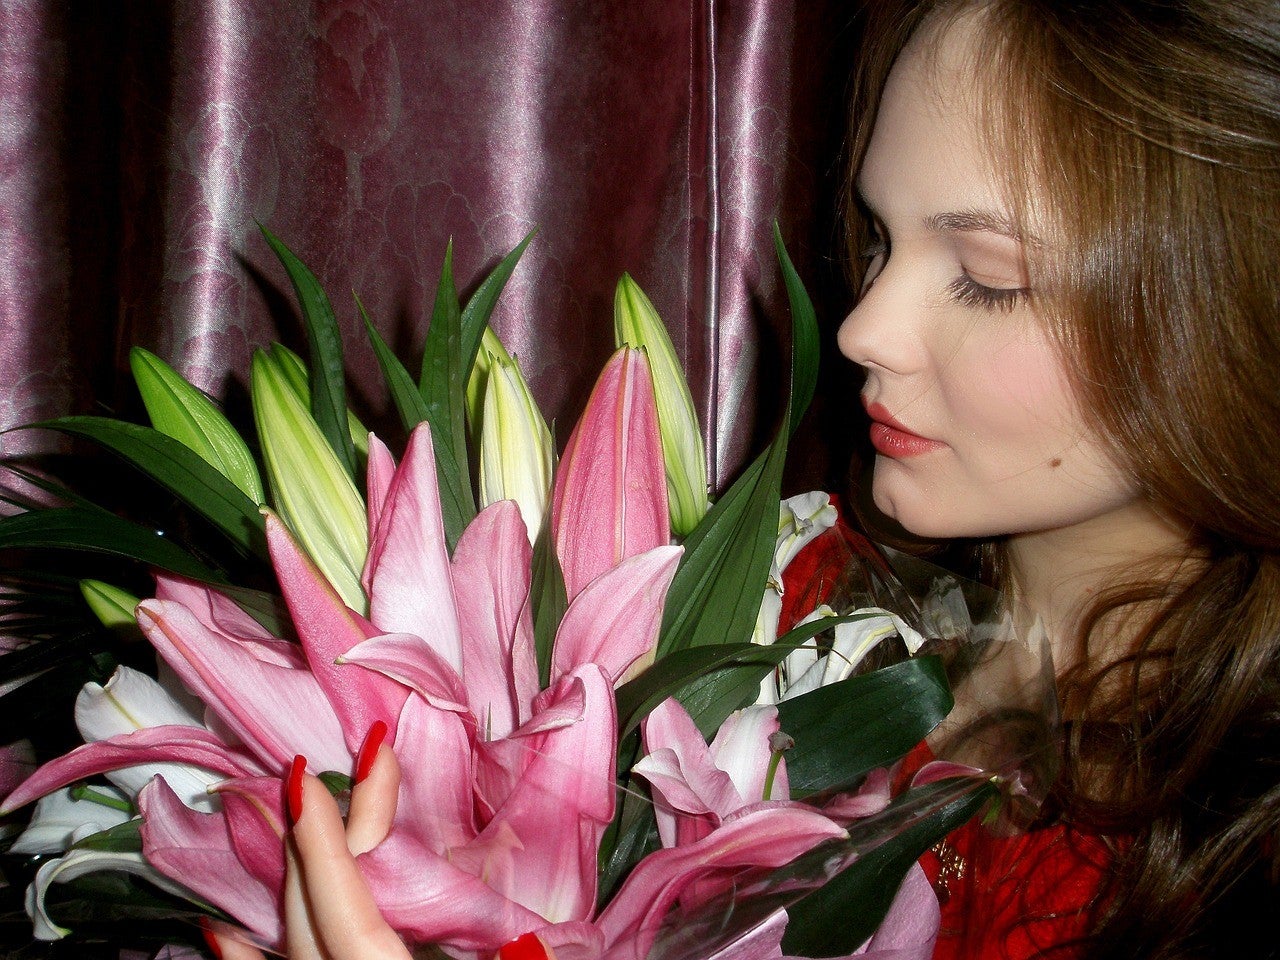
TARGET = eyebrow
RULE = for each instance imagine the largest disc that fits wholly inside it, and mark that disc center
(973, 221)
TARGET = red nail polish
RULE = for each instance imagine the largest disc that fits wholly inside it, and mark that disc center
(214, 947)
(293, 788)
(526, 947)
(369, 749)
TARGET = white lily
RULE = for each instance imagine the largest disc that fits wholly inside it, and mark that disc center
(515, 445)
(853, 641)
(70, 814)
(133, 701)
(801, 519)
(77, 863)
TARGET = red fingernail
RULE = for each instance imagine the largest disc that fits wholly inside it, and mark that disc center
(293, 788)
(214, 947)
(526, 947)
(369, 749)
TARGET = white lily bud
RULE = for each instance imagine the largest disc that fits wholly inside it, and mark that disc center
(637, 324)
(491, 348)
(314, 495)
(515, 445)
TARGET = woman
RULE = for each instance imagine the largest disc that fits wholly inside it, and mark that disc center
(1068, 215)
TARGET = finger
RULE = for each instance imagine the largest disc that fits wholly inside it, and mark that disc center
(300, 934)
(344, 916)
(373, 798)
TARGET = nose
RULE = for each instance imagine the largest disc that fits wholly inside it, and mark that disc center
(878, 332)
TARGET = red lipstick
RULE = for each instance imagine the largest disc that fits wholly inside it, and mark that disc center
(893, 439)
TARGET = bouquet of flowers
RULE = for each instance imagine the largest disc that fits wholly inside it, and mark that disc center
(607, 749)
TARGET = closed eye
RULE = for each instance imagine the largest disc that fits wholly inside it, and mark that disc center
(968, 291)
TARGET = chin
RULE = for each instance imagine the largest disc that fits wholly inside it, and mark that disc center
(924, 516)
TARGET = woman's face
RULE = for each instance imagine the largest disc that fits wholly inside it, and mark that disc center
(975, 427)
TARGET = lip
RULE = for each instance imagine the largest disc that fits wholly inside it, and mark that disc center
(893, 439)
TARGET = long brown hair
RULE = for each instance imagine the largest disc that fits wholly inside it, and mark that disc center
(1154, 128)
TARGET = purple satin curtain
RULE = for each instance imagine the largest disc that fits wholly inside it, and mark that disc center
(140, 142)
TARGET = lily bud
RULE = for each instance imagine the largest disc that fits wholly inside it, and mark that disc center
(491, 349)
(295, 372)
(515, 445)
(312, 492)
(637, 324)
(178, 410)
(112, 606)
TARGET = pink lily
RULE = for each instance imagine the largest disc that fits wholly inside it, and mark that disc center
(610, 497)
(696, 786)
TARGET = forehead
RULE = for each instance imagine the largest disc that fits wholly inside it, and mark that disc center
(928, 150)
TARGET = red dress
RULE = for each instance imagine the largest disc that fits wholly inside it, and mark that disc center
(1003, 898)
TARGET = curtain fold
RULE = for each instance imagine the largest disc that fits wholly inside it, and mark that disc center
(142, 145)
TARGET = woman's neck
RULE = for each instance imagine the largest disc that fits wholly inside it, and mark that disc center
(1058, 574)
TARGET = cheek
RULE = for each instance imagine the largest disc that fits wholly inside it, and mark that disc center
(1014, 390)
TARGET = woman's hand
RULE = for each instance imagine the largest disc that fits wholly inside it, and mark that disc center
(329, 912)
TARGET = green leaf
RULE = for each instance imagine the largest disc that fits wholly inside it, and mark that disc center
(714, 680)
(328, 391)
(95, 531)
(804, 336)
(441, 385)
(838, 917)
(476, 314)
(716, 593)
(408, 401)
(548, 598)
(177, 409)
(122, 838)
(846, 729)
(180, 470)
(719, 585)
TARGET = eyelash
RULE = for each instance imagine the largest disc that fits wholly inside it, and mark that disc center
(968, 291)
(963, 289)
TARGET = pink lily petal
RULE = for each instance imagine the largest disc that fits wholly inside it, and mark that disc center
(215, 610)
(410, 590)
(435, 804)
(572, 941)
(613, 622)
(196, 850)
(692, 794)
(328, 629)
(491, 586)
(868, 800)
(408, 660)
(936, 770)
(770, 836)
(501, 763)
(610, 497)
(254, 811)
(910, 928)
(762, 942)
(560, 808)
(276, 712)
(428, 899)
(223, 615)
(741, 749)
(151, 746)
(379, 470)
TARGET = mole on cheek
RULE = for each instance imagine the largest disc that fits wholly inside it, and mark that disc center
(1055, 462)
